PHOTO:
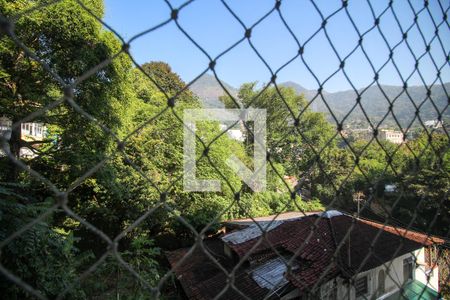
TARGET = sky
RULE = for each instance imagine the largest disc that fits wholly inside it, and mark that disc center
(215, 29)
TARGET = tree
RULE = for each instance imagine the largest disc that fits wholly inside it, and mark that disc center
(70, 46)
(157, 149)
(43, 256)
(425, 183)
(294, 133)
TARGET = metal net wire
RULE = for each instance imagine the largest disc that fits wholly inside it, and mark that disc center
(437, 38)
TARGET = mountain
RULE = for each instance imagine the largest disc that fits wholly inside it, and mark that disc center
(375, 103)
(208, 89)
(373, 100)
(309, 94)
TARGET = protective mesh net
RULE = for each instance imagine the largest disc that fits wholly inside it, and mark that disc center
(270, 258)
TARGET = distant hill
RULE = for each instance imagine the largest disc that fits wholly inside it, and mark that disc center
(372, 99)
(208, 89)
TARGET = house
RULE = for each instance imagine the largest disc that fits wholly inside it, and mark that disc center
(323, 255)
(29, 132)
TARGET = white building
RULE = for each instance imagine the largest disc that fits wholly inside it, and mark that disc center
(393, 136)
(434, 124)
(408, 271)
(33, 131)
(235, 134)
(29, 132)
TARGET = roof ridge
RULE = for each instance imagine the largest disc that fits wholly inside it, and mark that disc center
(401, 225)
(427, 238)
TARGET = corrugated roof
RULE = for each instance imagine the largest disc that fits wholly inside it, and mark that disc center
(250, 232)
(270, 275)
(280, 217)
(330, 214)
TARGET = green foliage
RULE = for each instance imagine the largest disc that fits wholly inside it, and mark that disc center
(42, 256)
(425, 183)
(117, 282)
(270, 203)
(157, 150)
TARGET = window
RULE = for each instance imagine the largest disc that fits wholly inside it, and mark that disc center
(361, 286)
(407, 269)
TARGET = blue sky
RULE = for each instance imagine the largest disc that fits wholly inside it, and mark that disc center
(210, 24)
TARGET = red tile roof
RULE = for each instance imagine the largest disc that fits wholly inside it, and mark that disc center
(323, 248)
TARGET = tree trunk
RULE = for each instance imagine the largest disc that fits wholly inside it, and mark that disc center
(14, 146)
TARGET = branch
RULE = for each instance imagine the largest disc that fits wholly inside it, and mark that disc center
(30, 143)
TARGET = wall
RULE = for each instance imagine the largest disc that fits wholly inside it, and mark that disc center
(393, 278)
(422, 269)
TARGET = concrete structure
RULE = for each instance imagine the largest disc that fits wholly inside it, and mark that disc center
(291, 215)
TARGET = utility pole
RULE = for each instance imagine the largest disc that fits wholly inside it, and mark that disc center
(358, 197)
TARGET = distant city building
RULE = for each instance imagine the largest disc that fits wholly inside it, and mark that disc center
(393, 136)
(434, 124)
